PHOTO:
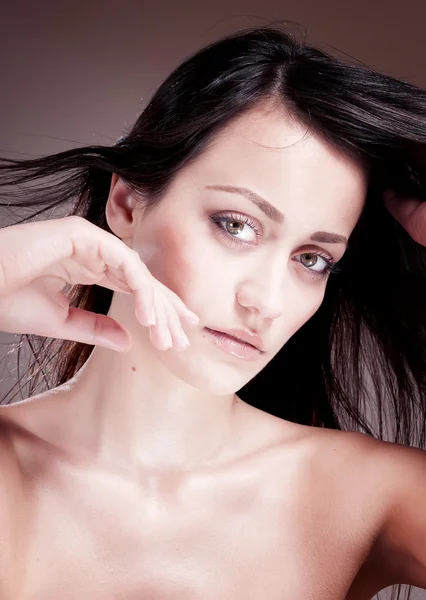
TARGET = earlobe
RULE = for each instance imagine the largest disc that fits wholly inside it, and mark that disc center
(119, 209)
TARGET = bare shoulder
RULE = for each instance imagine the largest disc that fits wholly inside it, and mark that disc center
(11, 475)
(387, 481)
(342, 468)
(13, 510)
(349, 463)
(9, 472)
(400, 475)
(343, 481)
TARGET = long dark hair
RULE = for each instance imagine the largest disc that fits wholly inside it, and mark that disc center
(360, 362)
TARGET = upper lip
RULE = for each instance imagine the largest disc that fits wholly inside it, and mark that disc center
(246, 336)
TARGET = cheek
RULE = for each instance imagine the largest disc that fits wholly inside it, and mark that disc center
(298, 313)
(172, 262)
(308, 310)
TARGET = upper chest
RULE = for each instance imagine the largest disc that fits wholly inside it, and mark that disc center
(276, 527)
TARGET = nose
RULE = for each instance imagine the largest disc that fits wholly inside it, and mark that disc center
(264, 290)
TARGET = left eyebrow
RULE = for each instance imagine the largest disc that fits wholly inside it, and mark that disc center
(275, 215)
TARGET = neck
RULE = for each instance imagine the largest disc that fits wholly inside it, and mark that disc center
(136, 410)
(126, 406)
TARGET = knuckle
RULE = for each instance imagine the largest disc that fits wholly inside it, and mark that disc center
(139, 260)
(75, 219)
(75, 222)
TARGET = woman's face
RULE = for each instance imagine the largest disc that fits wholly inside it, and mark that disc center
(234, 265)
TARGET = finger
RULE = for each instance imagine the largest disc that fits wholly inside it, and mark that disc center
(410, 213)
(96, 329)
(179, 338)
(114, 277)
(135, 275)
(143, 305)
(400, 208)
(114, 284)
(159, 333)
(186, 315)
(141, 284)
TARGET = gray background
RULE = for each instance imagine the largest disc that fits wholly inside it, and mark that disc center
(80, 72)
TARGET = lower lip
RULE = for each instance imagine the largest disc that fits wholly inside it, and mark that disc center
(232, 346)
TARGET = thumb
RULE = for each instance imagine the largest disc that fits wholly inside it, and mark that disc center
(91, 328)
(409, 212)
(399, 207)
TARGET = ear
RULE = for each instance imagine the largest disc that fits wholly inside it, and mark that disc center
(120, 210)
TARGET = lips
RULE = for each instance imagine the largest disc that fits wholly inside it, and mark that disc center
(237, 339)
(242, 336)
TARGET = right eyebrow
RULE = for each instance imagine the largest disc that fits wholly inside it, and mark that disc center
(266, 207)
(275, 215)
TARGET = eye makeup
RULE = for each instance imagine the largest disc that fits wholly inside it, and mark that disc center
(219, 219)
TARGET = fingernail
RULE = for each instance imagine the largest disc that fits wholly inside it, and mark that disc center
(192, 316)
(168, 340)
(184, 340)
(110, 345)
(152, 321)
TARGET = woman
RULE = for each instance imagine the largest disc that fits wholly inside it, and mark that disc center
(252, 188)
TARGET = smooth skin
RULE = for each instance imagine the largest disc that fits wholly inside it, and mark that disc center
(38, 259)
(145, 475)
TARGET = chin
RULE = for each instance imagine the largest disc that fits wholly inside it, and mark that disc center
(206, 375)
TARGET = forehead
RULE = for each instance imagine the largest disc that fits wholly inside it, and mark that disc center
(267, 150)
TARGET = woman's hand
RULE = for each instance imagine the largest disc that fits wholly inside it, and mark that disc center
(410, 213)
(38, 259)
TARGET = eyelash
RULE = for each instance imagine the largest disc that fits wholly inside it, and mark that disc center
(331, 267)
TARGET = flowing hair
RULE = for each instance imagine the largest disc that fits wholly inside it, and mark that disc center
(359, 363)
